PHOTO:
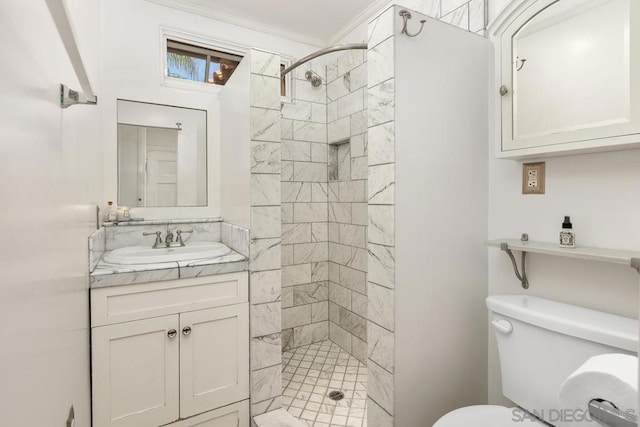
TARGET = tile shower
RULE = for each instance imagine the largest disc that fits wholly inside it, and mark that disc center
(324, 258)
(337, 182)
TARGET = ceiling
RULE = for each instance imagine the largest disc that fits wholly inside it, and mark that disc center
(319, 19)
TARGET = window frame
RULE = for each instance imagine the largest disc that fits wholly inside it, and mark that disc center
(288, 81)
(208, 43)
(205, 43)
(202, 53)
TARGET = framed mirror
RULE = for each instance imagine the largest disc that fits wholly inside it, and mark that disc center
(568, 76)
(162, 155)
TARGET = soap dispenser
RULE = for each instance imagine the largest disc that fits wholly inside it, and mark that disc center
(567, 235)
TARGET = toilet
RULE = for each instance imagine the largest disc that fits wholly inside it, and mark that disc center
(540, 343)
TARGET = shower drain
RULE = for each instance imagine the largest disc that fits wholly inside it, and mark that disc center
(336, 395)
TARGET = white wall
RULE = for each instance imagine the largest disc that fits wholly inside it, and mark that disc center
(50, 181)
(441, 220)
(132, 70)
(600, 192)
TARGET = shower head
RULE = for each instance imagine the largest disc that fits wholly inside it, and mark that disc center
(315, 79)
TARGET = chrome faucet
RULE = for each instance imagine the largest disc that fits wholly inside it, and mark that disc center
(179, 236)
(169, 239)
(158, 244)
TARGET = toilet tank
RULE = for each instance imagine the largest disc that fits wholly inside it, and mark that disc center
(541, 342)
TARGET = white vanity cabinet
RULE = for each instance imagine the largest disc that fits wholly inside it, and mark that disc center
(550, 96)
(174, 352)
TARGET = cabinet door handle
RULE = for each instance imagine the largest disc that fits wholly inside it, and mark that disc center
(504, 90)
(172, 333)
(186, 330)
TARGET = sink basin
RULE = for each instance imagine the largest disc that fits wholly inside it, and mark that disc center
(146, 255)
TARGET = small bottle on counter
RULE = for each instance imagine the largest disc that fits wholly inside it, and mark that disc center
(112, 212)
(567, 235)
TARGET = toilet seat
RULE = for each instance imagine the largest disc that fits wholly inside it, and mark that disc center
(486, 416)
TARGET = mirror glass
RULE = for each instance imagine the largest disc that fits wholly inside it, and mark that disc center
(571, 68)
(162, 155)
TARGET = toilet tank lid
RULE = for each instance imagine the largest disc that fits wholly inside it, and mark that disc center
(609, 329)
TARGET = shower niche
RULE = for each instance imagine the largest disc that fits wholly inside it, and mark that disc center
(550, 94)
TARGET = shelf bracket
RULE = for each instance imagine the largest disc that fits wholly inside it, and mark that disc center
(522, 277)
(635, 264)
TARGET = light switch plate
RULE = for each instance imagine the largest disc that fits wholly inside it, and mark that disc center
(533, 178)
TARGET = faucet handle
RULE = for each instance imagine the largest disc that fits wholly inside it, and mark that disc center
(158, 235)
(179, 236)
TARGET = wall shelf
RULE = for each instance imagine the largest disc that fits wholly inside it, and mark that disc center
(612, 256)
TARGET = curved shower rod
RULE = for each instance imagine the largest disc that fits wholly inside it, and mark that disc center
(353, 46)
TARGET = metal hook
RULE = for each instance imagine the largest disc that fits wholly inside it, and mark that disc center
(406, 15)
(522, 61)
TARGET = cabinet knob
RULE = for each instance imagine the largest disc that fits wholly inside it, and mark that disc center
(186, 330)
(504, 90)
(172, 333)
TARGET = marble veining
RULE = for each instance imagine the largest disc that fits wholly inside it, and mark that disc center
(236, 237)
(311, 372)
(97, 247)
(265, 63)
(107, 274)
(278, 418)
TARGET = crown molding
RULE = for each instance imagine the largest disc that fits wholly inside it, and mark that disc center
(365, 16)
(209, 12)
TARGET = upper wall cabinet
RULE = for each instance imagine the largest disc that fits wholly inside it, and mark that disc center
(567, 77)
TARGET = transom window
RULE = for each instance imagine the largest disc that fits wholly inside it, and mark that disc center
(190, 62)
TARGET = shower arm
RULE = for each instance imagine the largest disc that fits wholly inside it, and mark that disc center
(353, 46)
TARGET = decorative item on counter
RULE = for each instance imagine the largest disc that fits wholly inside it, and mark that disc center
(112, 212)
(567, 235)
(123, 214)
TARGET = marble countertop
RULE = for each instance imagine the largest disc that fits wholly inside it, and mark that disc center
(106, 274)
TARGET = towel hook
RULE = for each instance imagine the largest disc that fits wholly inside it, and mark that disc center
(406, 15)
(521, 65)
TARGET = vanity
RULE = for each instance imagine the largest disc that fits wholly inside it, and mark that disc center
(170, 326)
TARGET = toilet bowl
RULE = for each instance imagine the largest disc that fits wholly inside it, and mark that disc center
(488, 416)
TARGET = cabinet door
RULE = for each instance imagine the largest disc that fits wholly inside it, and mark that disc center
(136, 373)
(214, 358)
(236, 415)
(572, 74)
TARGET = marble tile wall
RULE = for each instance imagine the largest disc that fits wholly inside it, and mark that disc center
(305, 269)
(469, 15)
(265, 235)
(380, 237)
(347, 98)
